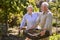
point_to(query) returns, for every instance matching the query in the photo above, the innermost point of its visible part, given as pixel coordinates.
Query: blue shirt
(29, 19)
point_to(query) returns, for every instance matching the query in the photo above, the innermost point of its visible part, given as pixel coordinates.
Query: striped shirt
(45, 20)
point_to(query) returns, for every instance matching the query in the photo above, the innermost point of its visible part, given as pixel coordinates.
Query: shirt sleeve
(37, 20)
(23, 22)
(48, 21)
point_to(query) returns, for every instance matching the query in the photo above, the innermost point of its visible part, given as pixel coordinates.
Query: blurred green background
(12, 11)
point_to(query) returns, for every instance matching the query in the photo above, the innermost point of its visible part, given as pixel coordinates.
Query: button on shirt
(30, 20)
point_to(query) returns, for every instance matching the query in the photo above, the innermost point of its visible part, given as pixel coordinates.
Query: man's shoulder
(34, 12)
(37, 13)
(50, 13)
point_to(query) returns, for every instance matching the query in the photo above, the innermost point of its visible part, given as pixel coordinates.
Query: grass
(55, 37)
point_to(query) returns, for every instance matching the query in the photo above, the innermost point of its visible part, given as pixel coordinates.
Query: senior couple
(33, 19)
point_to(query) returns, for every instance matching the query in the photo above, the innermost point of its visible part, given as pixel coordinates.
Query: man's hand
(33, 27)
(42, 32)
(20, 31)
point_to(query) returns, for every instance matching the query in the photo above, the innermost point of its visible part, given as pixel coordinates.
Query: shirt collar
(45, 13)
(29, 14)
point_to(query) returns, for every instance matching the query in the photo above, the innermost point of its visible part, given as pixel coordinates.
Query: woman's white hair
(29, 6)
(45, 4)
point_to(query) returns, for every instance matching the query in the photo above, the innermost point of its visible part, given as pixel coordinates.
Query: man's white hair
(29, 6)
(45, 4)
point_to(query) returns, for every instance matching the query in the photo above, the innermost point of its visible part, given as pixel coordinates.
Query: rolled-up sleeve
(48, 22)
(23, 22)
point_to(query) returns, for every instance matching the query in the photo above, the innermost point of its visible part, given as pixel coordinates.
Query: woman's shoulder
(25, 15)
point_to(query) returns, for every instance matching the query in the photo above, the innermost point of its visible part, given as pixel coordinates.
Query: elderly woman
(29, 18)
(45, 20)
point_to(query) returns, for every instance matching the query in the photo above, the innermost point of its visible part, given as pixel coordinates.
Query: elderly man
(45, 20)
(29, 19)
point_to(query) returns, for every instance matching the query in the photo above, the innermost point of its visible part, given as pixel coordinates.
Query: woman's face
(30, 10)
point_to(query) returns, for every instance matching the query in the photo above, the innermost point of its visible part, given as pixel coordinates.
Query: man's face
(30, 10)
(43, 8)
